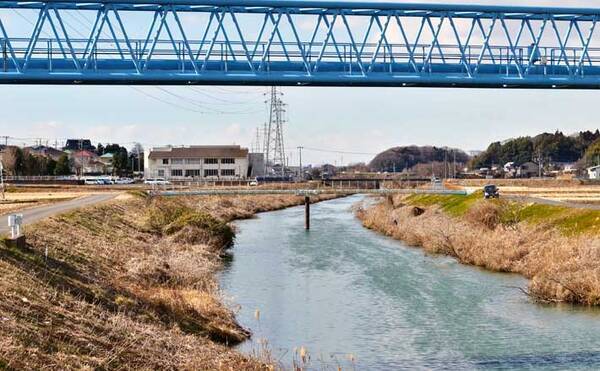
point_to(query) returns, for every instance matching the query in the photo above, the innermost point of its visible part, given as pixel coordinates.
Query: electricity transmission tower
(256, 143)
(273, 145)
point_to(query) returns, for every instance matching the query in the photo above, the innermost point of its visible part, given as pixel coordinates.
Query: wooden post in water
(307, 212)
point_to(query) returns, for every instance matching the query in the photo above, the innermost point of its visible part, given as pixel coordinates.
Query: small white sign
(14, 222)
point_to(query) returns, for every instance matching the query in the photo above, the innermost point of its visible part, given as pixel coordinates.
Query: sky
(364, 120)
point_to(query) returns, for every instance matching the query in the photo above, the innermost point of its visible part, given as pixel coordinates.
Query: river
(357, 299)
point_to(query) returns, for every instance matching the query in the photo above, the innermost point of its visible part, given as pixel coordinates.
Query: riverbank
(557, 248)
(126, 284)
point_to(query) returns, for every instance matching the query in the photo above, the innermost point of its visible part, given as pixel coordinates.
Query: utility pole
(300, 148)
(2, 179)
(445, 163)
(454, 164)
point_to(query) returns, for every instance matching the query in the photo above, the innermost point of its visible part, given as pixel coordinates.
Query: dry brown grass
(561, 268)
(125, 285)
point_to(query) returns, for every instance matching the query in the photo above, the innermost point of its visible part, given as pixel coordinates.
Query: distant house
(45, 151)
(594, 172)
(510, 170)
(86, 162)
(107, 160)
(528, 170)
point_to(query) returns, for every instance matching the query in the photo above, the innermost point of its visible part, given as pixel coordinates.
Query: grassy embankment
(126, 284)
(557, 248)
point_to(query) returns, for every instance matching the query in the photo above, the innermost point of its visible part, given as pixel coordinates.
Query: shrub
(485, 213)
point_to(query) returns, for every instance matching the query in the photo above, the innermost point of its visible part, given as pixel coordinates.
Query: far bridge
(306, 193)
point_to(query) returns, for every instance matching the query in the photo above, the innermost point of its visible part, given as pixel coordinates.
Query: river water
(357, 299)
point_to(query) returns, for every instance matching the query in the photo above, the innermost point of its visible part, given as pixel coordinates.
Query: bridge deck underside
(173, 72)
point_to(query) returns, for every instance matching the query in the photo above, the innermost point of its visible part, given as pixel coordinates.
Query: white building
(197, 162)
(594, 172)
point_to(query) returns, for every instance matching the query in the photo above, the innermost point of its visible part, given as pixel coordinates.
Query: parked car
(156, 181)
(253, 183)
(92, 181)
(124, 181)
(491, 191)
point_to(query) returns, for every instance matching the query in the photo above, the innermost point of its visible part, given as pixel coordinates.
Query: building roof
(84, 153)
(593, 168)
(45, 151)
(198, 152)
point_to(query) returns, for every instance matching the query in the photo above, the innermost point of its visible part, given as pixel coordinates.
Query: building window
(211, 172)
(161, 173)
(193, 161)
(177, 161)
(228, 160)
(211, 160)
(227, 172)
(165, 161)
(176, 172)
(192, 173)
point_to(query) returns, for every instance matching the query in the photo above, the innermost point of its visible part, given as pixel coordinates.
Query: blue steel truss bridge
(321, 43)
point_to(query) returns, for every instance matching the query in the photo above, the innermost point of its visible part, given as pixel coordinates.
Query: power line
(204, 105)
(223, 101)
(339, 152)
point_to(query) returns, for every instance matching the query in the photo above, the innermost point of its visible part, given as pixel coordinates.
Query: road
(544, 201)
(37, 213)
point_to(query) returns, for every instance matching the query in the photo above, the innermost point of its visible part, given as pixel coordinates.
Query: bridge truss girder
(262, 42)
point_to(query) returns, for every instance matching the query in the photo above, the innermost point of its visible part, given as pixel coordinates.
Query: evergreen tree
(63, 166)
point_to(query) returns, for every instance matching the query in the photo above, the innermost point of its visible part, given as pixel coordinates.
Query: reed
(560, 253)
(126, 285)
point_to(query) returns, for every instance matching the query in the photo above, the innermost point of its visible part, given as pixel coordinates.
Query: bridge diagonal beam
(410, 51)
(385, 39)
(258, 38)
(186, 43)
(102, 14)
(487, 37)
(146, 41)
(67, 40)
(7, 47)
(127, 41)
(583, 43)
(113, 33)
(161, 23)
(59, 40)
(37, 29)
(267, 49)
(332, 35)
(91, 38)
(281, 39)
(434, 43)
(353, 45)
(536, 45)
(367, 34)
(437, 32)
(326, 42)
(563, 52)
(586, 48)
(511, 47)
(379, 43)
(463, 57)
(298, 43)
